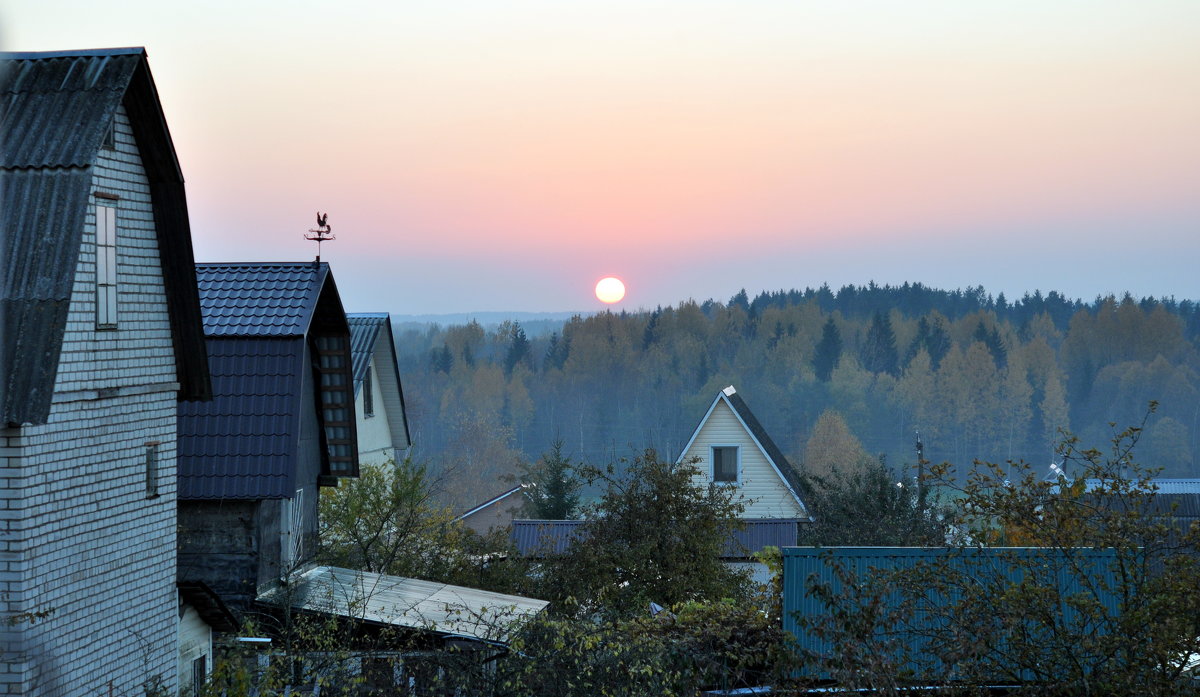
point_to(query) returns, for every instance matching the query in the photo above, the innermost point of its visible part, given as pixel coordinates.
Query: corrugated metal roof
(364, 330)
(408, 602)
(56, 108)
(1163, 486)
(242, 444)
(54, 111)
(259, 299)
(550, 537)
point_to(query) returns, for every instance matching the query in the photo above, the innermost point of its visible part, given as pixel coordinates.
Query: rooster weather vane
(322, 233)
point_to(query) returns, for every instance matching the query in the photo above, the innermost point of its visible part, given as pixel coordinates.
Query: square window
(725, 463)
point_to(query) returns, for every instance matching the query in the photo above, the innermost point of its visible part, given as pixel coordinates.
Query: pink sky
(504, 156)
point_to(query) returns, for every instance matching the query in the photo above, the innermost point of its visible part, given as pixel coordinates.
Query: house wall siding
(81, 540)
(195, 640)
(375, 445)
(765, 493)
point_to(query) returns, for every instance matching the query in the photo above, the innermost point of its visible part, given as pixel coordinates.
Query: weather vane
(322, 233)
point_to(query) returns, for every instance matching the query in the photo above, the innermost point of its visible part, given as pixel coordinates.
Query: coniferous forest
(980, 377)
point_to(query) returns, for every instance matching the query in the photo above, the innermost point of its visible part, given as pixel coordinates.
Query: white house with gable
(731, 448)
(378, 395)
(100, 338)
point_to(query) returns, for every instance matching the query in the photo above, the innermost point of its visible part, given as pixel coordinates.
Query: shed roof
(549, 537)
(408, 602)
(55, 109)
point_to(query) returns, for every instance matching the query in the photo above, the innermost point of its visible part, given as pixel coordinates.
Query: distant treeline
(979, 376)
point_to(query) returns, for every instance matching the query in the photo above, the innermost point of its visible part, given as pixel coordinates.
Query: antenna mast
(322, 233)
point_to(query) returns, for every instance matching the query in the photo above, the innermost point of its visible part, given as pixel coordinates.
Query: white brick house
(101, 337)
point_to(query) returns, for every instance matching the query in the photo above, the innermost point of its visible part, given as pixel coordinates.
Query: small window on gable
(152, 469)
(110, 136)
(106, 266)
(368, 395)
(725, 463)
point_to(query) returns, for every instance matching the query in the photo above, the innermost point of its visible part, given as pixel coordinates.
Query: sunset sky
(499, 155)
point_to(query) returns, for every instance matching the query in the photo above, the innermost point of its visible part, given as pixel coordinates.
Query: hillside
(979, 377)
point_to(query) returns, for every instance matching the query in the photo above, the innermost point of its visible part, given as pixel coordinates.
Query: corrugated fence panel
(1087, 572)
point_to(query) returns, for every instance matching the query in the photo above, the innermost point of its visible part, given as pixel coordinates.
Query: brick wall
(82, 541)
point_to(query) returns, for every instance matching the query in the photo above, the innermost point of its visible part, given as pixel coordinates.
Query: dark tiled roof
(242, 444)
(259, 299)
(549, 537)
(364, 330)
(55, 109)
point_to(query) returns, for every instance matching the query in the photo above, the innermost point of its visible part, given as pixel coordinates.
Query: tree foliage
(656, 536)
(1100, 604)
(551, 486)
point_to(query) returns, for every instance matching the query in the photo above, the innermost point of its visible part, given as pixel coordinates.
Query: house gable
(383, 434)
(764, 477)
(57, 109)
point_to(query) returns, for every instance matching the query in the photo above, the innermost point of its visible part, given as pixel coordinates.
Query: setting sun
(610, 290)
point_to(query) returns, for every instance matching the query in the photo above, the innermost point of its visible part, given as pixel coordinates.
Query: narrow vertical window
(199, 675)
(152, 469)
(106, 266)
(368, 395)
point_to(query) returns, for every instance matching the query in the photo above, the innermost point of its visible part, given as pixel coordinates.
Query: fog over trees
(979, 376)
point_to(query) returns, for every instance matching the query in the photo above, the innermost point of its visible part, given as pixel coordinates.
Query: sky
(504, 156)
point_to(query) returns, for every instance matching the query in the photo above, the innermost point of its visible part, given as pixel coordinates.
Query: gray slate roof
(54, 111)
(550, 537)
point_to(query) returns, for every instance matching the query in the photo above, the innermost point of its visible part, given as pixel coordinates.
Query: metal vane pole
(322, 233)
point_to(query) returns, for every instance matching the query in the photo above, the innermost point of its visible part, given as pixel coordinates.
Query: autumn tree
(832, 447)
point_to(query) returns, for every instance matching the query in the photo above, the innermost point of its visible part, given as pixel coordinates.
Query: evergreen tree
(518, 349)
(829, 351)
(878, 353)
(552, 491)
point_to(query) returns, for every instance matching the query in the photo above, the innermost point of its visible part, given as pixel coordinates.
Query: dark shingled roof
(242, 444)
(245, 443)
(550, 537)
(257, 299)
(54, 111)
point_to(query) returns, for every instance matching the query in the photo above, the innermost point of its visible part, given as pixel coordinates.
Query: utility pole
(920, 472)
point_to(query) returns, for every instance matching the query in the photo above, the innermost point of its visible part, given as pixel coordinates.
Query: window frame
(737, 463)
(106, 264)
(153, 461)
(368, 394)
